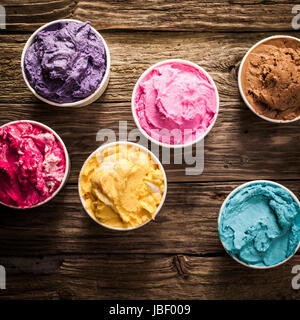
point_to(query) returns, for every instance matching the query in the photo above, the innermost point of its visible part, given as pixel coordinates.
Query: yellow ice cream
(122, 186)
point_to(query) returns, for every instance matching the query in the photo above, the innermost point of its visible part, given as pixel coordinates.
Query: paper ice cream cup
(136, 119)
(224, 205)
(81, 103)
(67, 158)
(153, 157)
(240, 80)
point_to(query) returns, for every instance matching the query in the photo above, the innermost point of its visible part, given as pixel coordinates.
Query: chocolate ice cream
(270, 78)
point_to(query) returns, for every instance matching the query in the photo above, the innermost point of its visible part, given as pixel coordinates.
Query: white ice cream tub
(136, 119)
(222, 209)
(67, 158)
(81, 103)
(154, 158)
(240, 80)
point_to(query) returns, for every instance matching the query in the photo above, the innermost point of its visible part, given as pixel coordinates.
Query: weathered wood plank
(76, 258)
(132, 53)
(193, 15)
(22, 16)
(241, 146)
(187, 224)
(163, 15)
(233, 150)
(144, 277)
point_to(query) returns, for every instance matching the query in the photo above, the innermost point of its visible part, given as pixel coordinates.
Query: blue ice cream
(260, 224)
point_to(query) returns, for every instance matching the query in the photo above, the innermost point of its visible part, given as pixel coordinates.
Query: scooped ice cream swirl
(270, 78)
(175, 103)
(122, 186)
(32, 164)
(260, 224)
(66, 62)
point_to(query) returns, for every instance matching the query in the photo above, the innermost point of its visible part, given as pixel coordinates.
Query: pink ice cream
(175, 103)
(32, 164)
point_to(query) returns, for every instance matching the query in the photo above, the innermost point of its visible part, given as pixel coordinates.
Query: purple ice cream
(66, 62)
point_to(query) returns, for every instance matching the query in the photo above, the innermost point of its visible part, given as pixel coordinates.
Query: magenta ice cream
(66, 62)
(175, 102)
(32, 164)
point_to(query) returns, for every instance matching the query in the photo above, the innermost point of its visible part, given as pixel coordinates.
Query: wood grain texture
(241, 15)
(133, 52)
(187, 224)
(27, 16)
(234, 150)
(144, 277)
(57, 251)
(241, 146)
(194, 15)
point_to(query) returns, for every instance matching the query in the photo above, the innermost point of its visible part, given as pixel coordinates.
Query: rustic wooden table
(58, 252)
